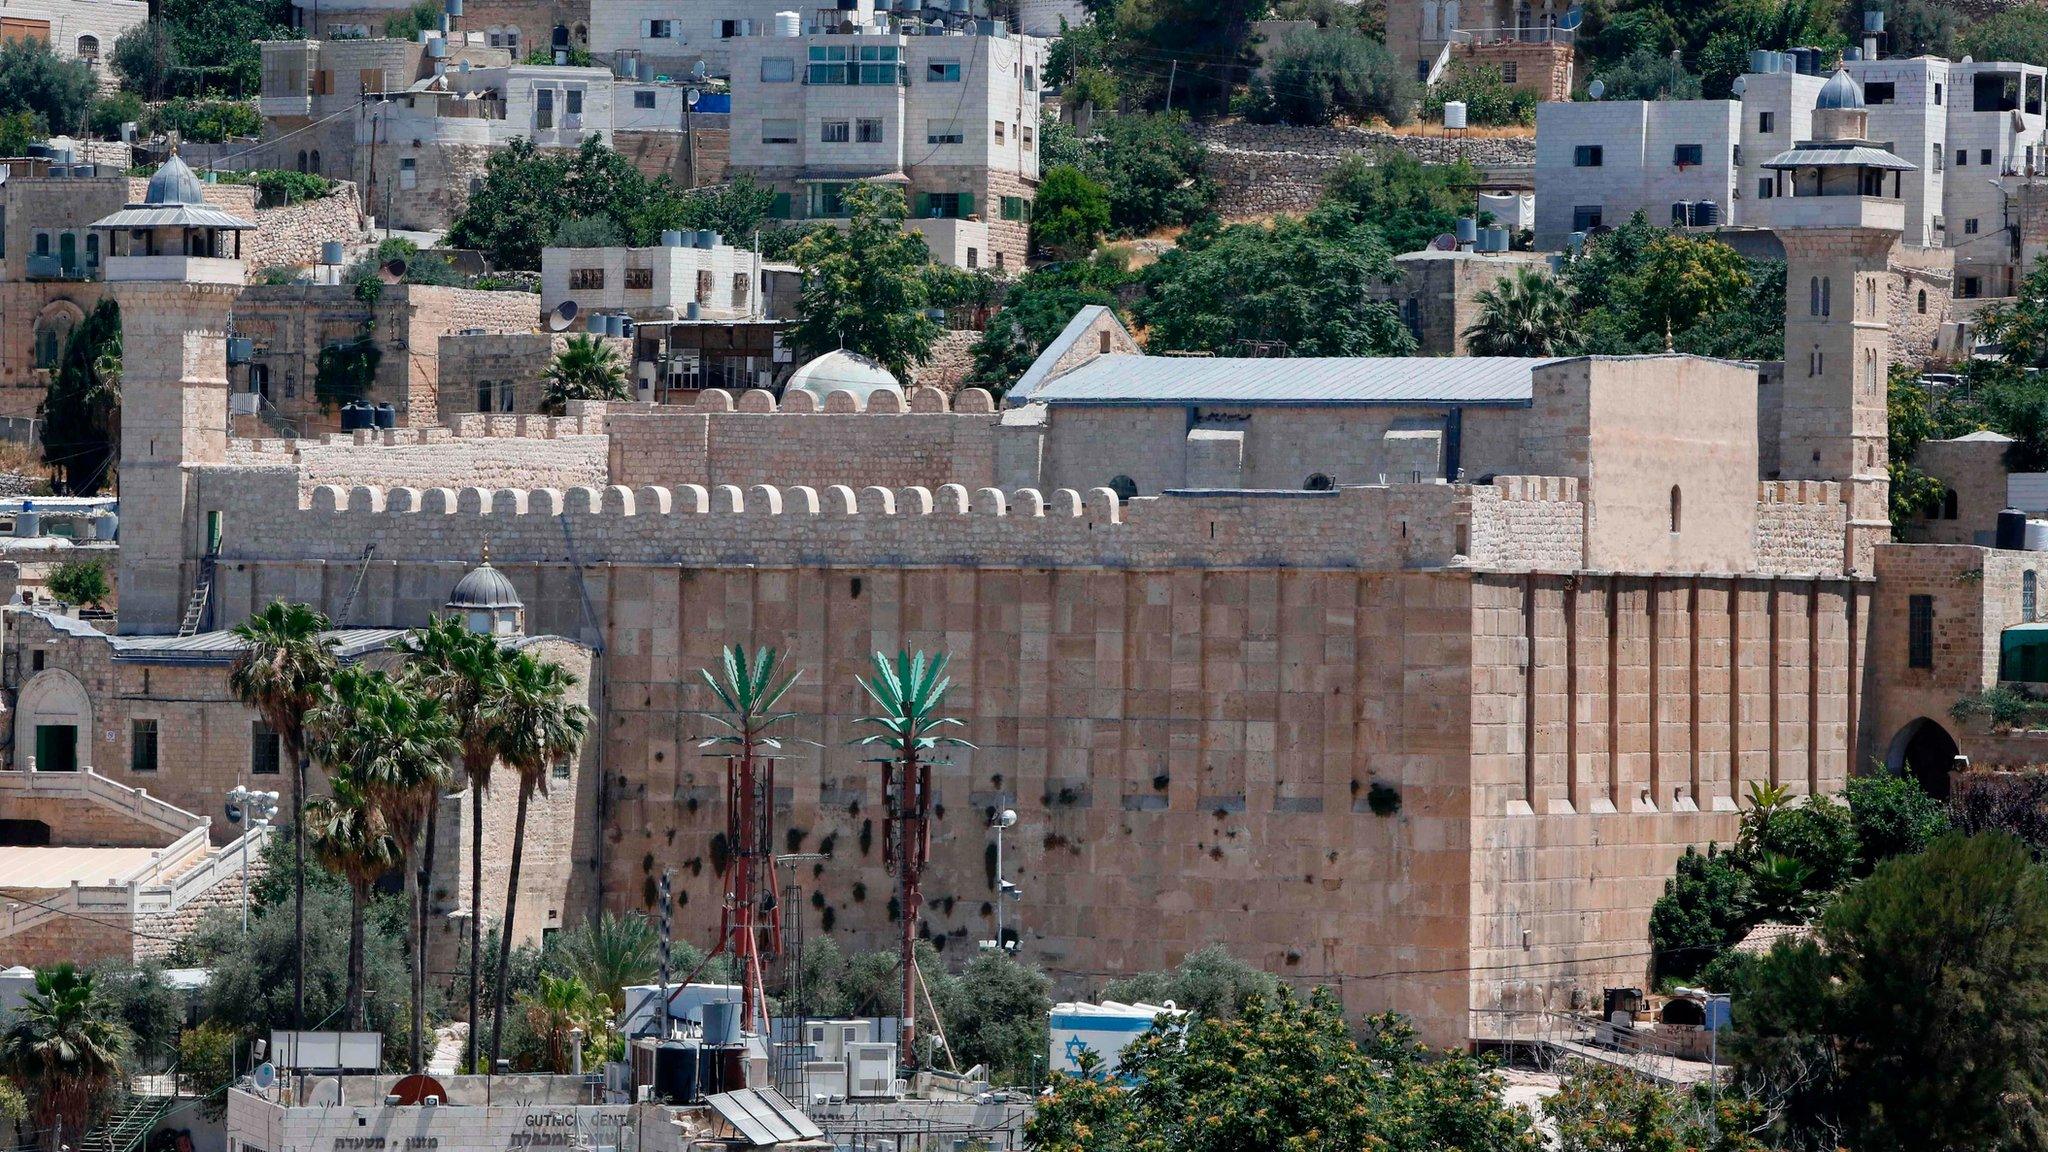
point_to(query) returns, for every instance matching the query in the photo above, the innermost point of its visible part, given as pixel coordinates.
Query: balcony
(52, 267)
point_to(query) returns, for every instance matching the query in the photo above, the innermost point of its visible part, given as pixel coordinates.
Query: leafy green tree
(1921, 1019)
(66, 1045)
(1210, 983)
(1411, 203)
(1070, 214)
(282, 671)
(1526, 314)
(585, 369)
(1315, 74)
(35, 78)
(1490, 101)
(1035, 310)
(145, 57)
(1893, 816)
(2019, 34)
(81, 411)
(80, 582)
(1152, 166)
(1602, 1108)
(864, 288)
(1289, 284)
(1706, 908)
(529, 702)
(1288, 1075)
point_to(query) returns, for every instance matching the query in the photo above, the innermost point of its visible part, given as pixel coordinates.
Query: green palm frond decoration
(909, 691)
(748, 693)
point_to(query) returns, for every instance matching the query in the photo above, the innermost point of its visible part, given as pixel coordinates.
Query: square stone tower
(174, 265)
(1835, 202)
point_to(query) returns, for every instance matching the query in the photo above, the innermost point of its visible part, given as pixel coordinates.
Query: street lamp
(1007, 818)
(258, 807)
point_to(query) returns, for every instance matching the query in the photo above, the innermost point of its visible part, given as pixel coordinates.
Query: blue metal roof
(1412, 380)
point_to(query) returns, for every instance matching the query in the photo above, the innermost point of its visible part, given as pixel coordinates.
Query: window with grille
(1920, 632)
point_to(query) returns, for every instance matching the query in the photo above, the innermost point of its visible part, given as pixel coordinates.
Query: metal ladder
(349, 602)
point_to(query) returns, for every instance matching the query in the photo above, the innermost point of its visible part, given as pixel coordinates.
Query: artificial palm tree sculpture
(1527, 314)
(66, 1045)
(280, 673)
(540, 726)
(909, 691)
(749, 691)
(458, 666)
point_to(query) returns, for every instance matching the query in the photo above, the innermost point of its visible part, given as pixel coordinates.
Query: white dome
(844, 371)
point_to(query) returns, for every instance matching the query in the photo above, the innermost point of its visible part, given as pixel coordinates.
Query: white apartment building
(673, 38)
(74, 29)
(950, 117)
(1598, 163)
(1973, 131)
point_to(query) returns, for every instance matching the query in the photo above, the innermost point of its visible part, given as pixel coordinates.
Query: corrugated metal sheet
(1831, 156)
(1301, 380)
(762, 1117)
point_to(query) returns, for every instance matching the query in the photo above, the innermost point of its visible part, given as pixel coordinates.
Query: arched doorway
(1924, 750)
(53, 724)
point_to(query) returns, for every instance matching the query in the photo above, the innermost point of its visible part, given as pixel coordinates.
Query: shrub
(1490, 102)
(1316, 74)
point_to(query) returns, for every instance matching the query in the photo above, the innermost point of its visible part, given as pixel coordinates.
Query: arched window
(1318, 482)
(1813, 296)
(88, 48)
(1676, 502)
(1921, 303)
(1948, 504)
(2028, 598)
(1123, 486)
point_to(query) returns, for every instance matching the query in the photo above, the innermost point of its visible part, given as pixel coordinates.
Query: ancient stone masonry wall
(936, 442)
(480, 451)
(1260, 169)
(1799, 527)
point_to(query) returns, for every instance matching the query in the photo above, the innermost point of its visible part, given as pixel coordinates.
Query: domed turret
(487, 602)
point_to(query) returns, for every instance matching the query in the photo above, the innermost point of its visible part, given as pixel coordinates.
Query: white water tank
(788, 24)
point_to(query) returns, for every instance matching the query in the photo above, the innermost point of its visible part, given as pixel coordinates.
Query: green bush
(1490, 102)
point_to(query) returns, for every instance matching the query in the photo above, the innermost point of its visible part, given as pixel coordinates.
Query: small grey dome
(484, 588)
(175, 183)
(1841, 91)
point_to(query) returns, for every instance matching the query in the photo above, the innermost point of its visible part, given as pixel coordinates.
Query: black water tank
(2012, 530)
(386, 416)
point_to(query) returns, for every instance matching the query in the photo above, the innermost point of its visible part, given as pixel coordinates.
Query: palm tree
(556, 1009)
(608, 952)
(909, 692)
(400, 743)
(279, 673)
(1527, 314)
(585, 369)
(541, 727)
(349, 836)
(458, 666)
(66, 1044)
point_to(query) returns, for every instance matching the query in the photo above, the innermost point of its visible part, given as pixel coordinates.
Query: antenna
(563, 316)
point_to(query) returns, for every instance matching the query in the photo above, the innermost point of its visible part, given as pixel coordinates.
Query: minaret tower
(1835, 204)
(174, 264)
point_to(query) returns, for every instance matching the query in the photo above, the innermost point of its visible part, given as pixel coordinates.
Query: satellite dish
(563, 316)
(694, 96)
(325, 1093)
(1572, 18)
(265, 1076)
(1444, 243)
(1597, 89)
(392, 272)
